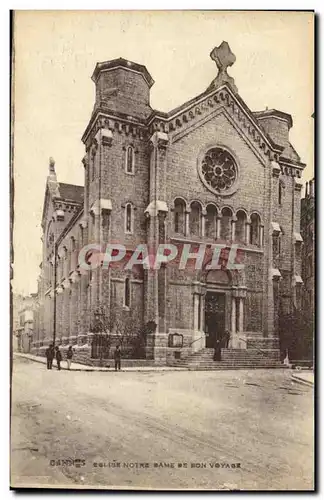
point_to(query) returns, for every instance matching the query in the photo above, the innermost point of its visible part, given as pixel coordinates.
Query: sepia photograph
(162, 250)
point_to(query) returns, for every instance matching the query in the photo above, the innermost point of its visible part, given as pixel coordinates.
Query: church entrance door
(214, 317)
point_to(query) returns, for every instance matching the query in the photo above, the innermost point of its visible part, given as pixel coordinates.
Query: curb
(43, 362)
(302, 381)
(103, 369)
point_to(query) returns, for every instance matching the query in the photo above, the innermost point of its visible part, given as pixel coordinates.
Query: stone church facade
(209, 172)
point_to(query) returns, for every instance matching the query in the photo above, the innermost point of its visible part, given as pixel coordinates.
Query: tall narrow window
(280, 193)
(73, 262)
(58, 269)
(225, 229)
(275, 245)
(92, 229)
(195, 219)
(127, 293)
(128, 218)
(81, 236)
(240, 226)
(179, 216)
(210, 221)
(92, 165)
(130, 160)
(255, 230)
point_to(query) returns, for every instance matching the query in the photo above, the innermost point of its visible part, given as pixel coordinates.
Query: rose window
(218, 170)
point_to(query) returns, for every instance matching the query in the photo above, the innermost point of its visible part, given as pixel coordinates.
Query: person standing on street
(117, 356)
(58, 356)
(217, 350)
(227, 337)
(49, 353)
(69, 356)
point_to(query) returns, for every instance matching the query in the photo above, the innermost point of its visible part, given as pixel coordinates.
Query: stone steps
(230, 359)
(227, 366)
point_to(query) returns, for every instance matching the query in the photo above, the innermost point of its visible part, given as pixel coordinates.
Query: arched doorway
(218, 286)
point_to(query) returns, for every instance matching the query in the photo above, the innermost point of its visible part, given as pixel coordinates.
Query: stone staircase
(231, 359)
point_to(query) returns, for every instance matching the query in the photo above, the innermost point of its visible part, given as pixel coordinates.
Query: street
(244, 429)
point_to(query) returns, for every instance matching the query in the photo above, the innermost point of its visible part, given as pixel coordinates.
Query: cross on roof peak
(223, 57)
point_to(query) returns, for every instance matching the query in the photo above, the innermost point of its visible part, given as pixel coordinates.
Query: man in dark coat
(217, 350)
(227, 337)
(117, 356)
(58, 356)
(49, 353)
(69, 356)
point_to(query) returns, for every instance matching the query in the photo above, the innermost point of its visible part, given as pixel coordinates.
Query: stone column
(65, 312)
(74, 308)
(203, 221)
(247, 232)
(187, 228)
(241, 314)
(233, 225)
(83, 312)
(233, 316)
(195, 307)
(155, 212)
(95, 210)
(59, 299)
(198, 337)
(218, 227)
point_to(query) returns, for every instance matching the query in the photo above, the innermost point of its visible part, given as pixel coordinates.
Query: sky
(53, 95)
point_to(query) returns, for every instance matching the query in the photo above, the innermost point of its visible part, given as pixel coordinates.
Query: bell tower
(124, 87)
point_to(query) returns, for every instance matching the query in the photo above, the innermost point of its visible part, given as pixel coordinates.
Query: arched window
(130, 160)
(195, 218)
(210, 221)
(240, 226)
(128, 218)
(280, 193)
(74, 258)
(255, 230)
(58, 269)
(179, 216)
(225, 229)
(127, 293)
(81, 235)
(93, 164)
(92, 225)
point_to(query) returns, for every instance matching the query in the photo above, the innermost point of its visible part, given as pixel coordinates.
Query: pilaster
(155, 279)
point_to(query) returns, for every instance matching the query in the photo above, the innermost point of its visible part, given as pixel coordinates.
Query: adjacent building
(210, 171)
(24, 322)
(308, 268)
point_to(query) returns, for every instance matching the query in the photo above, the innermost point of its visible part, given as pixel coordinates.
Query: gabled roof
(67, 192)
(71, 192)
(207, 94)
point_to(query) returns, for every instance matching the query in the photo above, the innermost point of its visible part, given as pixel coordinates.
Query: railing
(262, 351)
(196, 340)
(256, 348)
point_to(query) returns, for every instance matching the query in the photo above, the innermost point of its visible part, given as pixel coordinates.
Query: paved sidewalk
(78, 367)
(303, 377)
